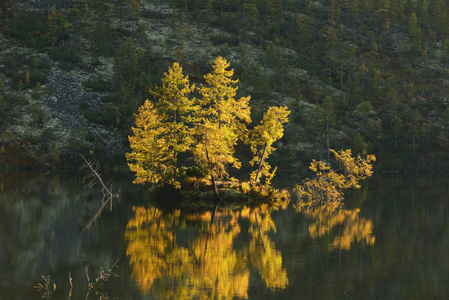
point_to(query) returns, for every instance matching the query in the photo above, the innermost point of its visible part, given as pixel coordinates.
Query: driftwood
(93, 178)
(47, 288)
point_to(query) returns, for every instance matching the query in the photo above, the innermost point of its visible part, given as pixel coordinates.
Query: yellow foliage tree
(221, 123)
(163, 130)
(150, 157)
(210, 127)
(262, 138)
(176, 107)
(325, 189)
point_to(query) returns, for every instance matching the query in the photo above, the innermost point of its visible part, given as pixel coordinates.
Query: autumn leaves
(203, 125)
(203, 122)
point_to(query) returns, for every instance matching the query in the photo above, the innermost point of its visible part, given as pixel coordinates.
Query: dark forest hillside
(370, 75)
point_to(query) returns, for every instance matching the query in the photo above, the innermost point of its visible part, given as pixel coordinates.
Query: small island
(184, 144)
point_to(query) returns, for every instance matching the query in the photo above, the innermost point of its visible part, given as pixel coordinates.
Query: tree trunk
(213, 178)
(327, 141)
(175, 166)
(215, 187)
(175, 158)
(260, 163)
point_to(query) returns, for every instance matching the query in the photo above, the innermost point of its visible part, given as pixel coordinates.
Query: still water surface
(390, 241)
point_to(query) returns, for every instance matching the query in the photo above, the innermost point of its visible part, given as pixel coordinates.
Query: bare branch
(47, 288)
(94, 166)
(97, 215)
(92, 178)
(71, 285)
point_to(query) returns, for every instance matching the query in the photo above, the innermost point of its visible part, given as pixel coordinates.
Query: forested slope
(367, 75)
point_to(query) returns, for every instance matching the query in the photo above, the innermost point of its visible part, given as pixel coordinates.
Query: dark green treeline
(367, 75)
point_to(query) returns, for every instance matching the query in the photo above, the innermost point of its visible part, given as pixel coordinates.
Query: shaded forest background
(370, 75)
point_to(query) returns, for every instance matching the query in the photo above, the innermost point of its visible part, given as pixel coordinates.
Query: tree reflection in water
(327, 218)
(183, 256)
(170, 258)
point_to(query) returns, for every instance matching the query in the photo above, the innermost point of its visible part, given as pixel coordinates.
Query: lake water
(389, 241)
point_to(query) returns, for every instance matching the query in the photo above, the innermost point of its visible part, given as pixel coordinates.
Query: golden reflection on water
(354, 227)
(170, 259)
(196, 255)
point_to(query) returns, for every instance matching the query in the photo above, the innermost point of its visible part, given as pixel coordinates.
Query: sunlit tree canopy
(263, 136)
(203, 125)
(327, 185)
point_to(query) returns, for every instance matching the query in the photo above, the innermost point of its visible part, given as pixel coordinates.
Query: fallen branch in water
(71, 285)
(97, 214)
(47, 288)
(97, 285)
(93, 178)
